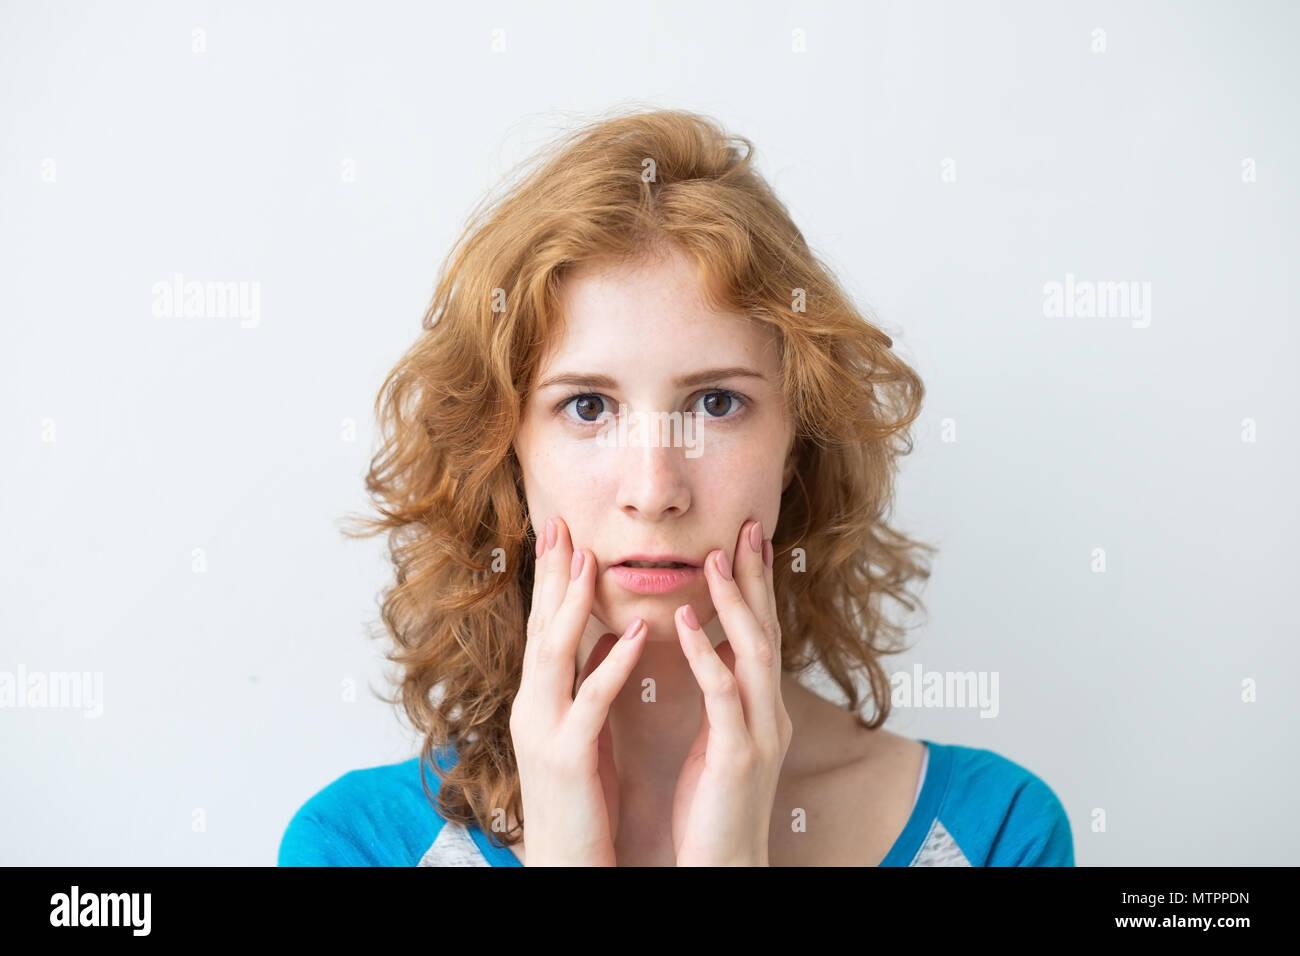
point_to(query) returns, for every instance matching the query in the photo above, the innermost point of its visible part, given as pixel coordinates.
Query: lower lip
(653, 580)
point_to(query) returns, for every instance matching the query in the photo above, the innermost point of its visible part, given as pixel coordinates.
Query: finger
(756, 671)
(554, 570)
(551, 580)
(604, 644)
(540, 609)
(591, 703)
(557, 650)
(751, 577)
(769, 575)
(769, 555)
(722, 700)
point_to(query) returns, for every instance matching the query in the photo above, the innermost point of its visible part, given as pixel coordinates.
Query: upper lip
(657, 557)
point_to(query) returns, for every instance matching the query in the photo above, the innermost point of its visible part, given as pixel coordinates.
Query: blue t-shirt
(975, 808)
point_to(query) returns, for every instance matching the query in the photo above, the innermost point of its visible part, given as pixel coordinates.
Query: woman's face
(633, 335)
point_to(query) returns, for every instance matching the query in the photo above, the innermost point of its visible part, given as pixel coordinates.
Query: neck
(656, 716)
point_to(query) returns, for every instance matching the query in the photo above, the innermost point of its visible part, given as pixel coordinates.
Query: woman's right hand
(560, 729)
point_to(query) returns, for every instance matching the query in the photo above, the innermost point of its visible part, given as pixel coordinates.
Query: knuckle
(726, 685)
(785, 726)
(743, 760)
(545, 650)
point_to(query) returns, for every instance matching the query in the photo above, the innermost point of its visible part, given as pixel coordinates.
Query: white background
(223, 690)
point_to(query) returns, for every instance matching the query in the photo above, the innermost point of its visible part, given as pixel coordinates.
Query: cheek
(738, 485)
(556, 481)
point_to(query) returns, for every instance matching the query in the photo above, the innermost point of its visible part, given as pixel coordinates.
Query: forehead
(651, 316)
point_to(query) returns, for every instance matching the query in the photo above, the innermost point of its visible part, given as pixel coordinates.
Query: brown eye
(719, 399)
(722, 401)
(590, 407)
(586, 403)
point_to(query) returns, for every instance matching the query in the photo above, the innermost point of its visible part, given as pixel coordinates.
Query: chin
(659, 615)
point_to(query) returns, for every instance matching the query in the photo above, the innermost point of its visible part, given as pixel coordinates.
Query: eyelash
(736, 397)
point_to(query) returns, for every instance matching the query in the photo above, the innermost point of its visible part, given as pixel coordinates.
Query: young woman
(633, 359)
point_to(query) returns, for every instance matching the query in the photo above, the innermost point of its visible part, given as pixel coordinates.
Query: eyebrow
(702, 377)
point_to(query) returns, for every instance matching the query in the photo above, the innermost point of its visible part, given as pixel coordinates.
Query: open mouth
(654, 577)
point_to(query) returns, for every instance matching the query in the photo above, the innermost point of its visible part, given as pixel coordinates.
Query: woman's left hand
(722, 807)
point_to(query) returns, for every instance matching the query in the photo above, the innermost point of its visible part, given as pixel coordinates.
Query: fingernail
(724, 566)
(575, 566)
(688, 615)
(768, 552)
(550, 532)
(756, 536)
(537, 550)
(633, 629)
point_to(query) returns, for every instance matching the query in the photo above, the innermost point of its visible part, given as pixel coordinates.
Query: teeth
(653, 564)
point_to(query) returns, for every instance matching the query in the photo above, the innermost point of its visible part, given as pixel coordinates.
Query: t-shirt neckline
(904, 850)
(938, 769)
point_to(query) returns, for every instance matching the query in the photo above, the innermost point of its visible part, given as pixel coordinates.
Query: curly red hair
(449, 488)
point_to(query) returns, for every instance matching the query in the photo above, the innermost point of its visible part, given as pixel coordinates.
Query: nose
(653, 480)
